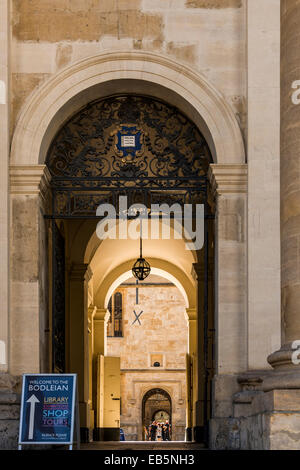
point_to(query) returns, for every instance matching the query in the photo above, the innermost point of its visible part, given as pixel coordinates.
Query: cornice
(228, 179)
(29, 179)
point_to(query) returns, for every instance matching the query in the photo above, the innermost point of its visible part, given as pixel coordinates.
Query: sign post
(49, 410)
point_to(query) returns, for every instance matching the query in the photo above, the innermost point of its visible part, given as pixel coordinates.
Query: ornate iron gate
(126, 145)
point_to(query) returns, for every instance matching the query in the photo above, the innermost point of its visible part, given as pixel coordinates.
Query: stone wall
(260, 420)
(163, 333)
(48, 35)
(10, 388)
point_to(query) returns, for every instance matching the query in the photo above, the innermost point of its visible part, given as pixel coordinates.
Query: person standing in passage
(167, 431)
(163, 431)
(149, 432)
(153, 430)
(159, 432)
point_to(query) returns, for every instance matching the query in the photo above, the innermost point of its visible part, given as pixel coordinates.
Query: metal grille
(126, 145)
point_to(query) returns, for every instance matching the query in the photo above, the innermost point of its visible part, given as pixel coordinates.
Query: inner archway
(148, 329)
(156, 406)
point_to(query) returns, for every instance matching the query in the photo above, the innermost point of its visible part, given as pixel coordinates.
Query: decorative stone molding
(80, 272)
(228, 179)
(101, 314)
(29, 179)
(267, 380)
(190, 314)
(198, 270)
(88, 274)
(250, 382)
(282, 359)
(37, 124)
(91, 312)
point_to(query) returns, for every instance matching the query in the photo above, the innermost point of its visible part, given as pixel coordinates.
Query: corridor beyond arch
(159, 272)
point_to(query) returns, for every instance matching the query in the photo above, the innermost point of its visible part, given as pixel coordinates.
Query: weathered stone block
(9, 431)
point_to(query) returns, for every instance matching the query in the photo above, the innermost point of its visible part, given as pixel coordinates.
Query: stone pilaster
(229, 188)
(79, 276)
(192, 386)
(28, 291)
(28, 269)
(100, 319)
(191, 319)
(263, 156)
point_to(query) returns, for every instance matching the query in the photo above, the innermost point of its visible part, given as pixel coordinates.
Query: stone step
(142, 445)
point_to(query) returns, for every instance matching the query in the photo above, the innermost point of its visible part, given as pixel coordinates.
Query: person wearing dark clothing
(153, 429)
(167, 432)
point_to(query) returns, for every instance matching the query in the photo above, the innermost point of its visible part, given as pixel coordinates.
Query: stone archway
(54, 103)
(72, 88)
(154, 401)
(86, 166)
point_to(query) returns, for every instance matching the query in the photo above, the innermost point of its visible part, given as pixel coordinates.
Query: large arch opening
(148, 152)
(148, 330)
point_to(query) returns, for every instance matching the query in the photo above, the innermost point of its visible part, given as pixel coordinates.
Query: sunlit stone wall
(161, 337)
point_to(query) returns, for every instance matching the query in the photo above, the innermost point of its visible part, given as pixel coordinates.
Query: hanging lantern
(141, 268)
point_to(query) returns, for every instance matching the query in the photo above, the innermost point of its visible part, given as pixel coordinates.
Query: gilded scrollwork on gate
(126, 142)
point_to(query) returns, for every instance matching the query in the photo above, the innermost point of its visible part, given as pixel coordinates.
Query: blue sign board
(48, 409)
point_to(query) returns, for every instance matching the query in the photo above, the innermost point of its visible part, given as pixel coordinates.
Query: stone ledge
(277, 401)
(287, 378)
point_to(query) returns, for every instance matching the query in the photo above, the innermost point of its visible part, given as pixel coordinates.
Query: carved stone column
(290, 185)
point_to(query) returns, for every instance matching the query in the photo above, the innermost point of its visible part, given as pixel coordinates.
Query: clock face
(161, 416)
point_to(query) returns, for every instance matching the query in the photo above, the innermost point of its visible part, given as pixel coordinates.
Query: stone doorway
(156, 406)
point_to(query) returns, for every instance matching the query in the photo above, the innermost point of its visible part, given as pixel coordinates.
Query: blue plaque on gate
(129, 141)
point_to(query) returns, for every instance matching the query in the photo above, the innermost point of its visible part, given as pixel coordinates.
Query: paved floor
(140, 445)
